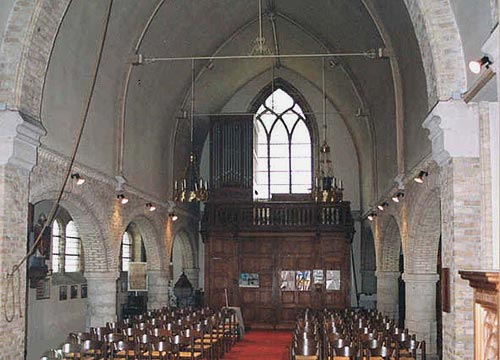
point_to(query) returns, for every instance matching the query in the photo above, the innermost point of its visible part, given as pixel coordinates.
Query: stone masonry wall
(13, 238)
(461, 237)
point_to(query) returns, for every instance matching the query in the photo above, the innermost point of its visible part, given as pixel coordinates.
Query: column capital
(420, 278)
(19, 139)
(453, 130)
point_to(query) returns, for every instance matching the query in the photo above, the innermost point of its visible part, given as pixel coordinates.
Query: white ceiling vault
(147, 99)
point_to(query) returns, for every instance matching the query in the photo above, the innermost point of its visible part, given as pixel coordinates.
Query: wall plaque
(137, 276)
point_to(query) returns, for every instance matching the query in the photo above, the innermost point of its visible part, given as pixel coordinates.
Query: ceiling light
(78, 179)
(173, 216)
(382, 205)
(420, 178)
(475, 66)
(122, 199)
(398, 196)
(372, 216)
(151, 207)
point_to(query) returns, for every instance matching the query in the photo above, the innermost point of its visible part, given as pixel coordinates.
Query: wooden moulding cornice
(481, 280)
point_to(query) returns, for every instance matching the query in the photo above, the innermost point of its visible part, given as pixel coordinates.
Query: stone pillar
(454, 132)
(157, 289)
(388, 293)
(101, 305)
(421, 308)
(19, 139)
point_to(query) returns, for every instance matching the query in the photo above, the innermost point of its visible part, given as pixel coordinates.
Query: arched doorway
(132, 250)
(388, 270)
(56, 288)
(183, 259)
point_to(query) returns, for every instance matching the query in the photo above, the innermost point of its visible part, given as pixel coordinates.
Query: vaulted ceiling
(148, 99)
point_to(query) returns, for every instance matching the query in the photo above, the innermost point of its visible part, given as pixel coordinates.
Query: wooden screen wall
(268, 254)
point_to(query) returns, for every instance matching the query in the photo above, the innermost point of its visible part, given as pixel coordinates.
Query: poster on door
(332, 280)
(287, 280)
(303, 280)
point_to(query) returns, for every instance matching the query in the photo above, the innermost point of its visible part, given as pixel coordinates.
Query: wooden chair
(122, 350)
(91, 349)
(70, 350)
(51, 355)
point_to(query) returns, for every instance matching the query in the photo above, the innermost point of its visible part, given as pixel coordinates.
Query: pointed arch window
(282, 148)
(56, 243)
(72, 248)
(126, 250)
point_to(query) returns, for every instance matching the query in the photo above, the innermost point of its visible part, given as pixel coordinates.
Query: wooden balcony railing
(277, 216)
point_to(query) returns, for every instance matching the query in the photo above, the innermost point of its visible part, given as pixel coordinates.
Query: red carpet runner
(261, 345)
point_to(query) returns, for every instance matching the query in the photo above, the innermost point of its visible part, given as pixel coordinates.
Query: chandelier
(258, 46)
(327, 188)
(192, 188)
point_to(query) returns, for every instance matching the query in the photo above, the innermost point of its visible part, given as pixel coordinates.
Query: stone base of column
(421, 308)
(101, 288)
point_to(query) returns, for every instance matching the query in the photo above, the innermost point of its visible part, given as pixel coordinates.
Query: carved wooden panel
(486, 327)
(267, 254)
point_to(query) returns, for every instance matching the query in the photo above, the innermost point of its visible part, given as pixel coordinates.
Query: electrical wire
(16, 268)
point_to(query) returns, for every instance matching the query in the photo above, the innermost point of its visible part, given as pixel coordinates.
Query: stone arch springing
(390, 246)
(150, 236)
(89, 228)
(424, 232)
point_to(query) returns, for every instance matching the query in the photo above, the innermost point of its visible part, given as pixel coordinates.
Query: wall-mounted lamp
(475, 66)
(151, 207)
(371, 216)
(420, 178)
(79, 180)
(173, 216)
(122, 199)
(398, 197)
(382, 206)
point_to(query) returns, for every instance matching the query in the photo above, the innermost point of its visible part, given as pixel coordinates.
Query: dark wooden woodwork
(486, 305)
(266, 238)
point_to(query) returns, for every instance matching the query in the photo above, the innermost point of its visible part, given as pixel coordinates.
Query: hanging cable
(55, 206)
(324, 99)
(192, 104)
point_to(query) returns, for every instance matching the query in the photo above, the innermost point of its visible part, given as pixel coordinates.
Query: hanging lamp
(327, 188)
(191, 188)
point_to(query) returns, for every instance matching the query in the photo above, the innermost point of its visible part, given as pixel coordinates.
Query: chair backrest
(51, 355)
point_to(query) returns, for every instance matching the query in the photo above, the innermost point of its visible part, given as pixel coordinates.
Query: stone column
(421, 308)
(157, 289)
(101, 306)
(454, 132)
(19, 140)
(388, 293)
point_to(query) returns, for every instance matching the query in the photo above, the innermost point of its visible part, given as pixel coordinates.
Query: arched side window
(282, 148)
(132, 248)
(126, 250)
(56, 243)
(72, 248)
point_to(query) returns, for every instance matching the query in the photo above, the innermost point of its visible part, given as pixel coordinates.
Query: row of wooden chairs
(163, 334)
(329, 335)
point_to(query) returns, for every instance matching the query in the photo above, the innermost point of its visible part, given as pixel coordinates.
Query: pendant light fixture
(259, 46)
(327, 188)
(192, 188)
